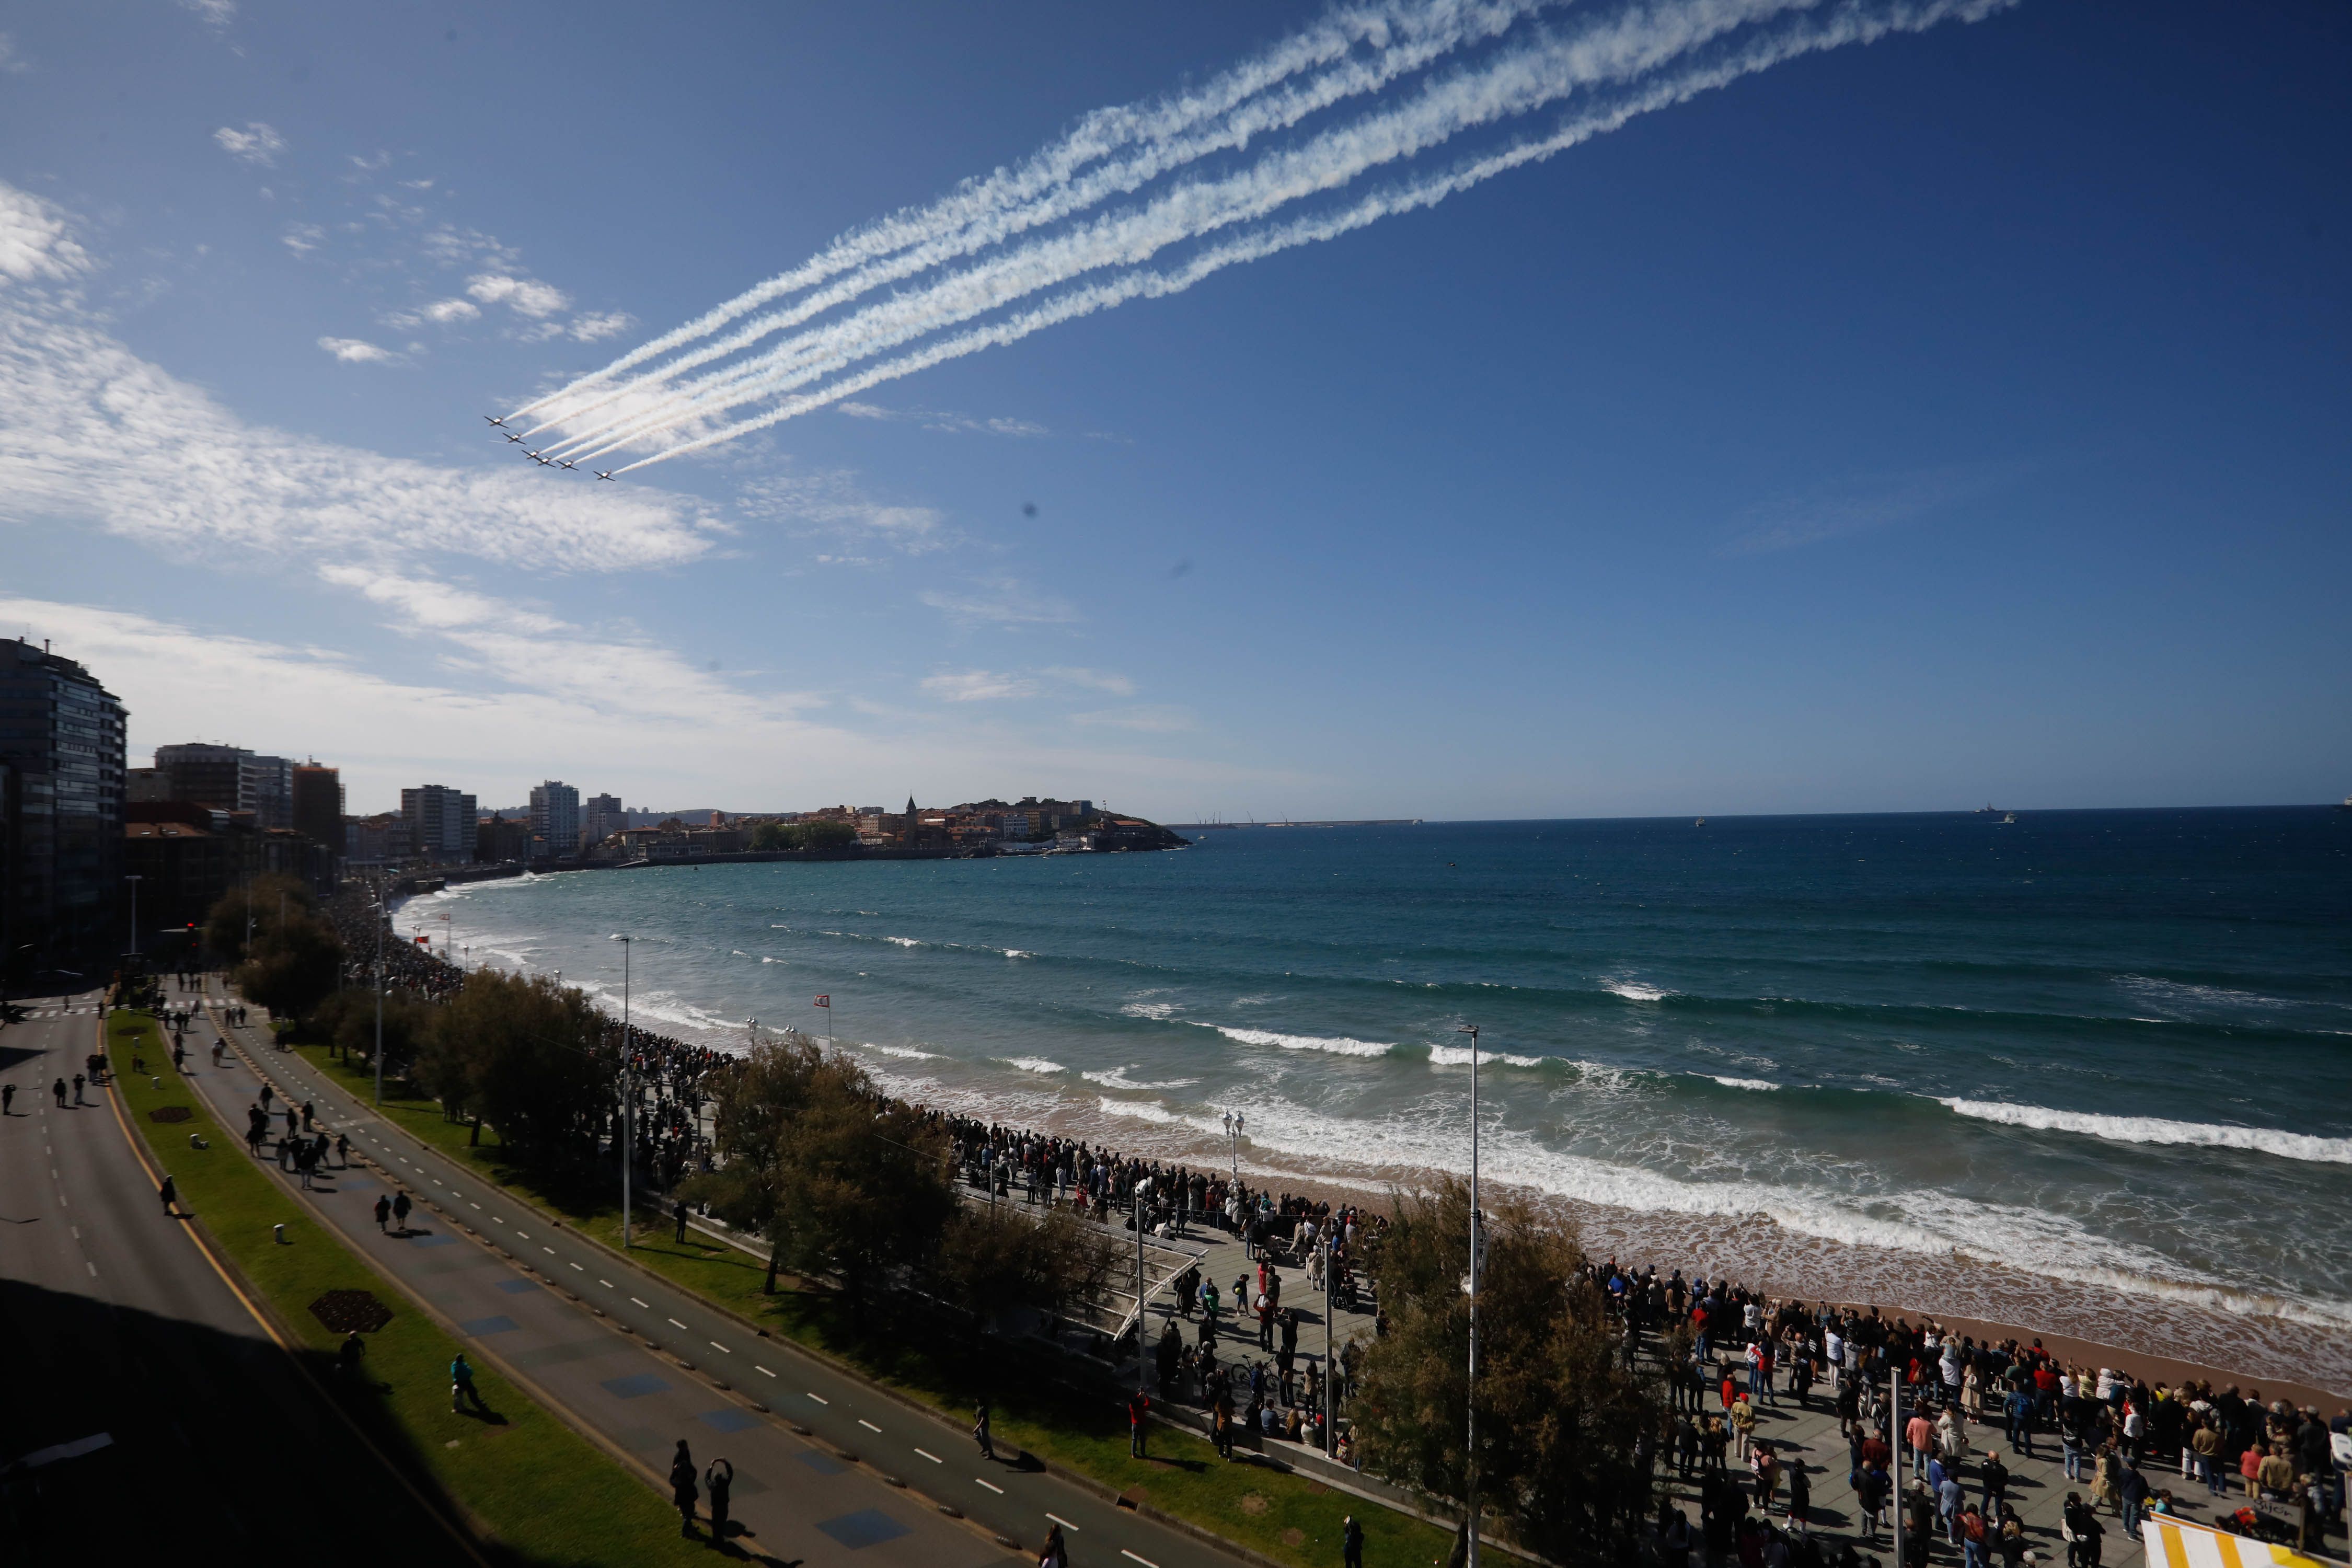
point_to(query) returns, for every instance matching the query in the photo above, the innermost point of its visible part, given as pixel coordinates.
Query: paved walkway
(812, 1474)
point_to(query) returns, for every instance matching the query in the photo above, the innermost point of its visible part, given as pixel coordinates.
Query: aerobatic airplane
(604, 474)
(563, 462)
(495, 420)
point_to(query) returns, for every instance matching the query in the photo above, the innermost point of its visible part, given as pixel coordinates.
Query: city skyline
(1908, 425)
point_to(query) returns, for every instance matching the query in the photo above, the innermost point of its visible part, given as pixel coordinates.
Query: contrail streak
(1851, 22)
(1622, 47)
(1429, 38)
(1428, 31)
(1617, 49)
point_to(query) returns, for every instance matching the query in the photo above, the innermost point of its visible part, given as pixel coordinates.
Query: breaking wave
(2156, 1130)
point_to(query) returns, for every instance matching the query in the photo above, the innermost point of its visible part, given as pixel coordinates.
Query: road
(113, 1320)
(795, 1492)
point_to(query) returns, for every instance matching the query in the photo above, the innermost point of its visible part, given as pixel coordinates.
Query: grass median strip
(542, 1490)
(1288, 1518)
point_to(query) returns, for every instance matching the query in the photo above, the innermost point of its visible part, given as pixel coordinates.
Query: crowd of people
(1948, 1400)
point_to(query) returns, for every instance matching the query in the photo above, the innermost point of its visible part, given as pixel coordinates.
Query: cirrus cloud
(257, 144)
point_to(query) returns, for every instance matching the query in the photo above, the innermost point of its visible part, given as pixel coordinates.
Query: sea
(2084, 1072)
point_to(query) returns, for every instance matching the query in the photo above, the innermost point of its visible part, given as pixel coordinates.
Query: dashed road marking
(1064, 1523)
(992, 1486)
(931, 1456)
(1147, 1561)
(607, 1283)
(648, 1305)
(758, 1368)
(93, 1269)
(820, 1398)
(549, 1250)
(675, 1324)
(868, 1424)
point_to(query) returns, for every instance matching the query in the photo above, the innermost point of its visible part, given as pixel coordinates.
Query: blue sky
(1955, 415)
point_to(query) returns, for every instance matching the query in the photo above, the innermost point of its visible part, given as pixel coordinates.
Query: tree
(538, 1061)
(295, 959)
(1000, 1256)
(838, 1180)
(1565, 1432)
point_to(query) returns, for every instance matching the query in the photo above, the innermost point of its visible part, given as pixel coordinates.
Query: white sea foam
(1033, 1064)
(1017, 952)
(1754, 1083)
(2156, 1130)
(1459, 1057)
(1152, 1111)
(1149, 1009)
(1340, 1046)
(908, 1052)
(1633, 990)
(903, 942)
(1116, 1078)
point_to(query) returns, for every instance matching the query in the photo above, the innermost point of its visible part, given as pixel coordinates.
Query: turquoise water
(2090, 1071)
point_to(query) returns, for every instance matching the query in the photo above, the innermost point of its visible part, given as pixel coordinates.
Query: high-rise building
(555, 818)
(266, 788)
(601, 818)
(204, 773)
(318, 797)
(60, 808)
(440, 824)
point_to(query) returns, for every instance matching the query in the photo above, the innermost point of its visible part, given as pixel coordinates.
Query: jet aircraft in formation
(539, 457)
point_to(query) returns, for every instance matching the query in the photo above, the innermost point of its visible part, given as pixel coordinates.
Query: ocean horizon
(2087, 1071)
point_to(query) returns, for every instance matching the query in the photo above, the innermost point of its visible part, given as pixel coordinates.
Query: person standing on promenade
(169, 1193)
(682, 1490)
(719, 1479)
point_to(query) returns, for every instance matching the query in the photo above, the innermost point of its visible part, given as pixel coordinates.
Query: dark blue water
(2027, 1064)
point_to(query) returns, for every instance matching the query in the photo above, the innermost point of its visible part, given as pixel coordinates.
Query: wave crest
(2157, 1130)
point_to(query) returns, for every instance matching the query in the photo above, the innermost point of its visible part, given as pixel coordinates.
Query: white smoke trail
(1430, 36)
(1852, 23)
(1151, 125)
(1621, 49)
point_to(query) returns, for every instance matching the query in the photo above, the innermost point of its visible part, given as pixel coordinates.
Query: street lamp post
(1470, 1285)
(134, 914)
(628, 1089)
(1330, 1364)
(1142, 1191)
(1233, 1132)
(383, 919)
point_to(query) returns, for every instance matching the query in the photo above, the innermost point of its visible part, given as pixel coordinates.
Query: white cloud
(525, 296)
(942, 420)
(1099, 680)
(1860, 504)
(216, 13)
(90, 431)
(35, 241)
(357, 351)
(302, 238)
(590, 326)
(1005, 602)
(447, 310)
(978, 686)
(1153, 721)
(831, 502)
(11, 62)
(257, 144)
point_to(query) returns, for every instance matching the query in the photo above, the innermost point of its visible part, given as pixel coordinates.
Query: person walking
(169, 1193)
(461, 1386)
(400, 1208)
(348, 1355)
(57, 1091)
(382, 1212)
(1138, 1406)
(719, 1480)
(980, 1432)
(1351, 1544)
(306, 1112)
(681, 1209)
(78, 1099)
(682, 1490)
(8, 1100)
(1056, 1553)
(342, 1152)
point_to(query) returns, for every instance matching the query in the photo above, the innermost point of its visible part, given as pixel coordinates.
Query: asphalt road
(112, 1320)
(796, 1493)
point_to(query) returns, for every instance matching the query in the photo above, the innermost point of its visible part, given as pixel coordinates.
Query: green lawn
(1287, 1517)
(543, 1491)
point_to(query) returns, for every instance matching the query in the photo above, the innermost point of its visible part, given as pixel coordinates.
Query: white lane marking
(648, 1305)
(722, 1350)
(500, 1221)
(675, 1324)
(582, 1270)
(1064, 1523)
(992, 1486)
(549, 1250)
(94, 1270)
(1147, 1561)
(524, 1235)
(607, 1283)
(931, 1456)
(758, 1368)
(77, 1230)
(868, 1424)
(820, 1398)
(478, 1205)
